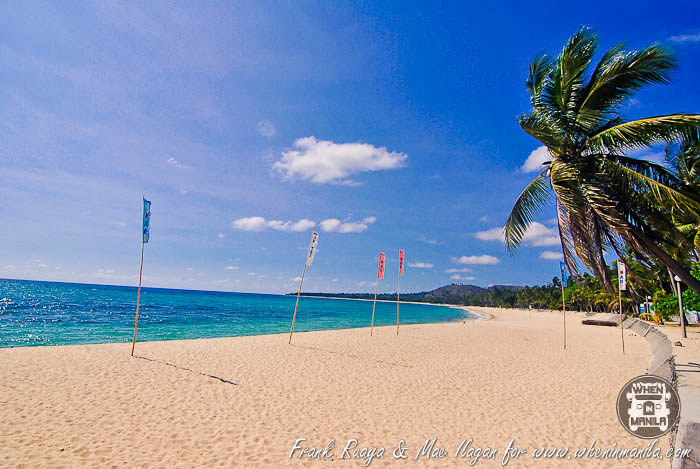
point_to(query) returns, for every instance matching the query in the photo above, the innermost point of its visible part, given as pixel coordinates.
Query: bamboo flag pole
(564, 280)
(622, 329)
(622, 285)
(309, 261)
(680, 306)
(380, 274)
(398, 289)
(398, 300)
(297, 304)
(146, 234)
(374, 305)
(563, 303)
(138, 301)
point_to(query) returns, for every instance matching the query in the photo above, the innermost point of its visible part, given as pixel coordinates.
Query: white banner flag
(622, 275)
(312, 248)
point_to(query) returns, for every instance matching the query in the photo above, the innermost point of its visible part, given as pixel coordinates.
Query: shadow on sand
(186, 369)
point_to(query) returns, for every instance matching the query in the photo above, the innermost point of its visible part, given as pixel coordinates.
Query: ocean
(36, 313)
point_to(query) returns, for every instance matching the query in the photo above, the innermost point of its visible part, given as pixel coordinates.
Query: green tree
(685, 160)
(691, 300)
(603, 198)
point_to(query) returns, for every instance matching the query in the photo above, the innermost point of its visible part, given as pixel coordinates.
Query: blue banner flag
(564, 276)
(146, 220)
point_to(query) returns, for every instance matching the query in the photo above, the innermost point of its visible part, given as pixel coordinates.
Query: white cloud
(250, 224)
(335, 225)
(492, 234)
(482, 259)
(295, 279)
(221, 236)
(301, 225)
(461, 277)
(176, 164)
(260, 224)
(323, 161)
(454, 271)
(231, 267)
(551, 255)
(329, 225)
(536, 159)
(420, 265)
(684, 38)
(267, 129)
(537, 235)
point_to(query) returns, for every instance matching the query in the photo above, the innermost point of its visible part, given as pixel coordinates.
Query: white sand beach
(244, 401)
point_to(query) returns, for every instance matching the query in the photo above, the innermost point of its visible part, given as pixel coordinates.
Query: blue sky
(249, 124)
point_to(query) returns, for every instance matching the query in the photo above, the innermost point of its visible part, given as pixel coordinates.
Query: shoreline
(482, 316)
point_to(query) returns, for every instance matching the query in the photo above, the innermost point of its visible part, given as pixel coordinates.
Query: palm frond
(542, 128)
(540, 68)
(562, 93)
(619, 74)
(566, 238)
(645, 132)
(647, 168)
(633, 183)
(526, 207)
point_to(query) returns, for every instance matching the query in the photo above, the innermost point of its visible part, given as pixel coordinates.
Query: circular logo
(648, 406)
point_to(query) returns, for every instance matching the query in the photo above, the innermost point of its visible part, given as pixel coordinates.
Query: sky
(381, 125)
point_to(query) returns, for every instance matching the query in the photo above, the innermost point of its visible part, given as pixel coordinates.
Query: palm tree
(604, 199)
(686, 163)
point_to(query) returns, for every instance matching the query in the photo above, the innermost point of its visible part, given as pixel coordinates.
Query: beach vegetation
(606, 200)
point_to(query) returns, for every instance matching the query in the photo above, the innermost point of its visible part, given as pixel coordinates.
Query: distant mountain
(451, 294)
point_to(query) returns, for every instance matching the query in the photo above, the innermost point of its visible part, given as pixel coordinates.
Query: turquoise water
(47, 313)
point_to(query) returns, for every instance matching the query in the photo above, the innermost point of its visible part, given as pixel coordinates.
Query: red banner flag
(400, 262)
(380, 273)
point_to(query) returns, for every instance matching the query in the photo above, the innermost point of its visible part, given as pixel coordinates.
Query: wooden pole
(371, 330)
(563, 304)
(622, 329)
(398, 293)
(680, 307)
(138, 300)
(297, 304)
